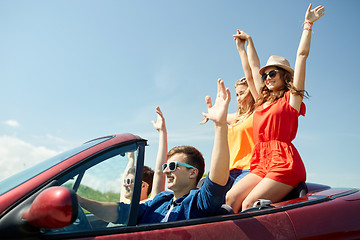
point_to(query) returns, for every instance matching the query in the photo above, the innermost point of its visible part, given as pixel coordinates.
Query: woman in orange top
(276, 166)
(240, 132)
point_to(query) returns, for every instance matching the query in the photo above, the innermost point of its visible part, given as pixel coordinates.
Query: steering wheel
(81, 222)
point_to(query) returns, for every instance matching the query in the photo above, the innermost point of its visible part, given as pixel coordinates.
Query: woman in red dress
(276, 166)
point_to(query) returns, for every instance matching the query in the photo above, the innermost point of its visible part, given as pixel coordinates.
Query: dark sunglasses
(173, 165)
(271, 74)
(128, 181)
(242, 80)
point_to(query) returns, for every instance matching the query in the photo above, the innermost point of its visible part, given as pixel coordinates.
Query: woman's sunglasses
(173, 165)
(271, 74)
(128, 181)
(242, 80)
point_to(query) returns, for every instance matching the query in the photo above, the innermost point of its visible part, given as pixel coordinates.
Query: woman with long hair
(240, 132)
(276, 166)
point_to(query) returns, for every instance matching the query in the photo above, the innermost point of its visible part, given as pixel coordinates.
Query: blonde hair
(244, 111)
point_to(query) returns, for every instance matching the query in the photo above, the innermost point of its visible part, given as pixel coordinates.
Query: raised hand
(218, 112)
(241, 35)
(239, 39)
(159, 125)
(131, 156)
(159, 178)
(315, 14)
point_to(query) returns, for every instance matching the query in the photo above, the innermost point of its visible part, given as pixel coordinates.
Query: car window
(101, 179)
(19, 178)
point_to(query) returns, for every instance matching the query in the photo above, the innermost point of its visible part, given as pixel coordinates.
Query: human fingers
(244, 35)
(159, 112)
(130, 154)
(156, 124)
(205, 119)
(208, 101)
(240, 36)
(221, 89)
(309, 8)
(218, 88)
(320, 10)
(209, 105)
(228, 96)
(319, 7)
(241, 32)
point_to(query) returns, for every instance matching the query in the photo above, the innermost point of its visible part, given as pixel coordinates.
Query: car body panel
(332, 219)
(277, 226)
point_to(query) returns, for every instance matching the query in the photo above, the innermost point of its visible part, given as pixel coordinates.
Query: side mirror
(55, 207)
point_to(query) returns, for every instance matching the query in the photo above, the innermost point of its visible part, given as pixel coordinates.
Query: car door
(95, 171)
(101, 178)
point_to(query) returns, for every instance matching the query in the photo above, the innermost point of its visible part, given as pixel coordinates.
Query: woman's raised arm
(311, 16)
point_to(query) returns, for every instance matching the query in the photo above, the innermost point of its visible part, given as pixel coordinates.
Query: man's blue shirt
(203, 202)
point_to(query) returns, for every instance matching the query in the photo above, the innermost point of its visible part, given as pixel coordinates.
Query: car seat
(300, 191)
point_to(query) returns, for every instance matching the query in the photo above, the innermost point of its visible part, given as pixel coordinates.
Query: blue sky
(71, 71)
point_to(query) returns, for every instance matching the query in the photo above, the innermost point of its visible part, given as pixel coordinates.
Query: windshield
(17, 179)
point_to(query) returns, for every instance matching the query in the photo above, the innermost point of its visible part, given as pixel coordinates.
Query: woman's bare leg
(240, 190)
(266, 189)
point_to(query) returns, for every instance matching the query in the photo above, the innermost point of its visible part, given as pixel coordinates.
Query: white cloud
(12, 123)
(53, 142)
(17, 155)
(101, 184)
(55, 139)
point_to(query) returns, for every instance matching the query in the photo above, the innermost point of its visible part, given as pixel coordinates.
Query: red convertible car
(41, 203)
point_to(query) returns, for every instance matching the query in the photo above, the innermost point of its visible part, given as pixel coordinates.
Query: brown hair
(270, 96)
(148, 176)
(193, 158)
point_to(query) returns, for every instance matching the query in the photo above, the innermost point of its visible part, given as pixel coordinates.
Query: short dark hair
(148, 176)
(193, 157)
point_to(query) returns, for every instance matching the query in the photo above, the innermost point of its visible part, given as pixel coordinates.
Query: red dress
(274, 155)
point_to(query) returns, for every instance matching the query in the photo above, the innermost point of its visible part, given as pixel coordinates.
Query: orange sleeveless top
(241, 144)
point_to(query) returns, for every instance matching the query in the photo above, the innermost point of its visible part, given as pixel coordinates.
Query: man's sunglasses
(173, 165)
(128, 181)
(271, 74)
